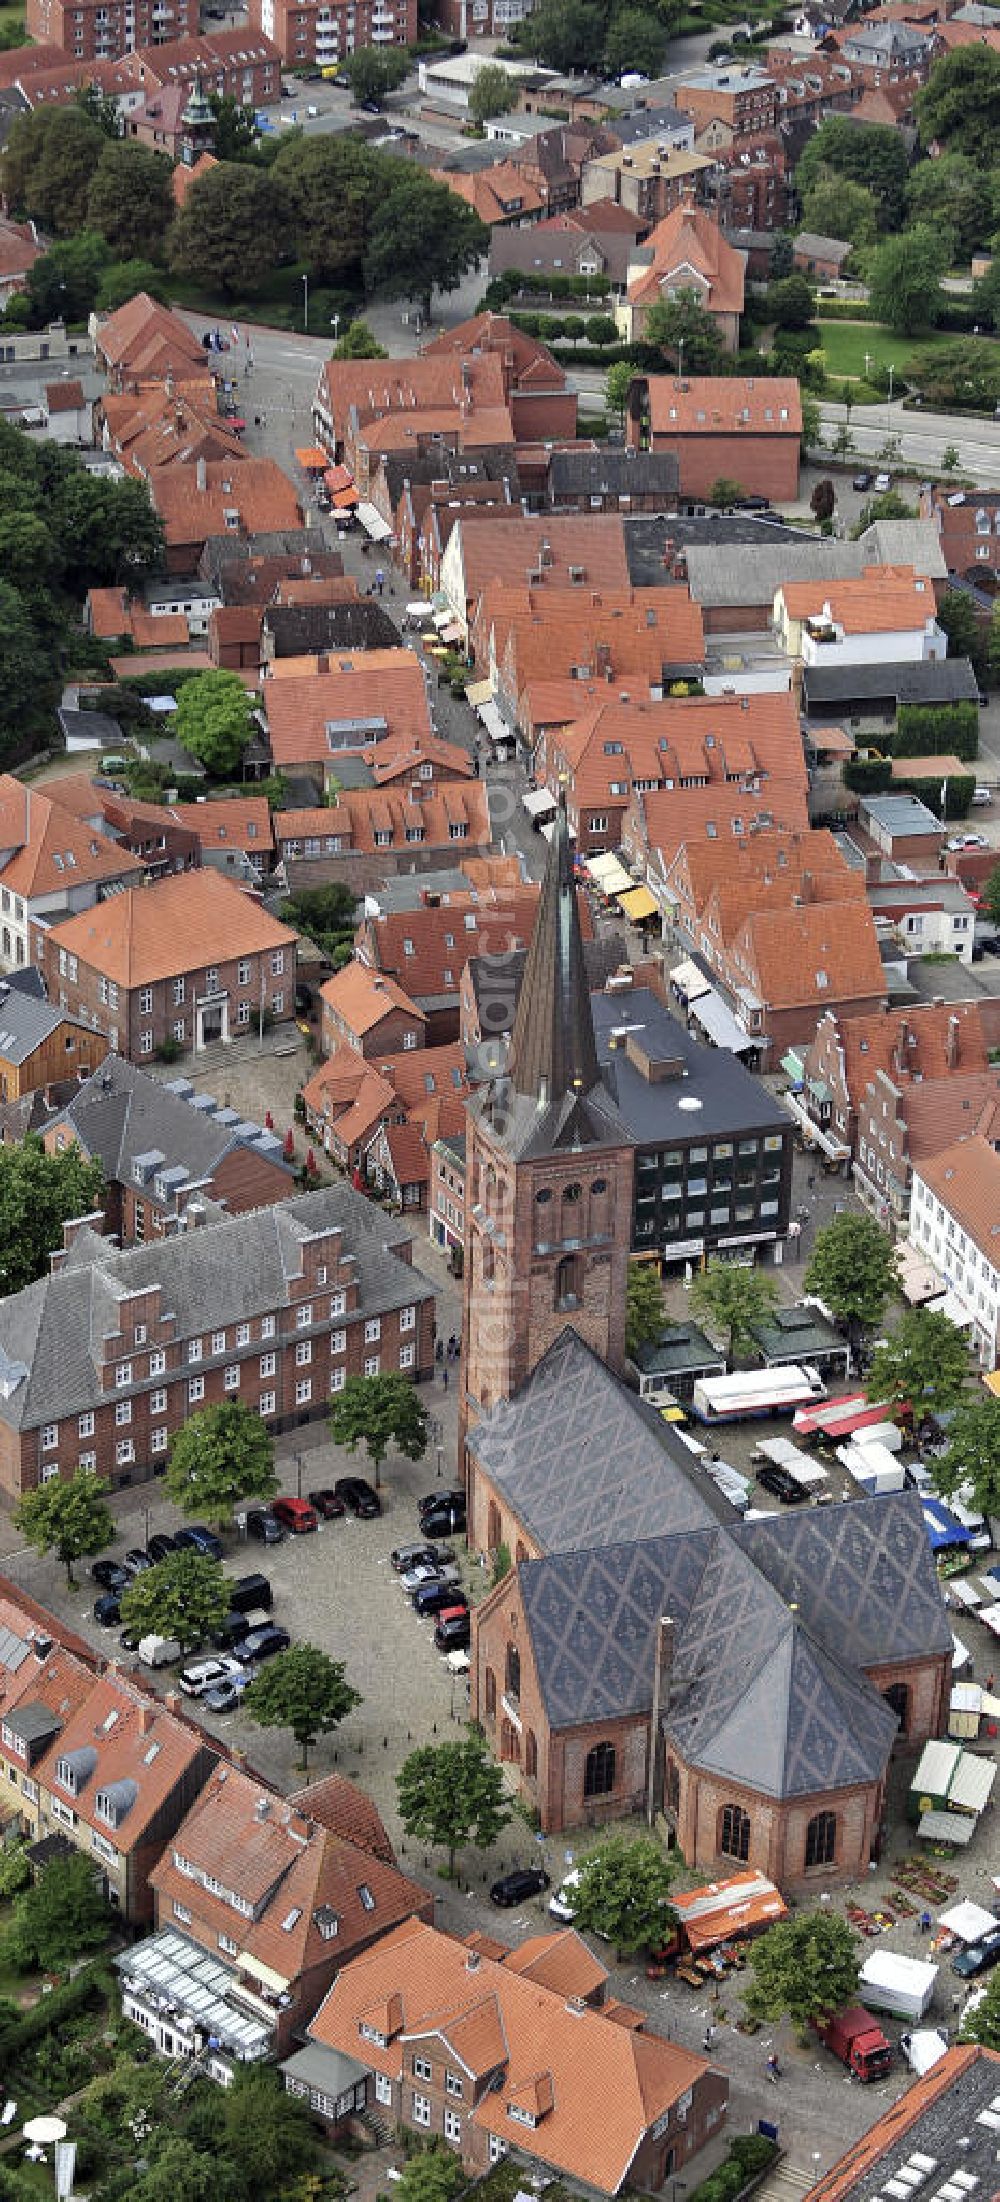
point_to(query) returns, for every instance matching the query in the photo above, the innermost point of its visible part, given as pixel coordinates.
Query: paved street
(923, 437)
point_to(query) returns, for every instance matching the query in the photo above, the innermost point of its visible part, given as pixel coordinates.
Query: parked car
(110, 1574)
(296, 1515)
(327, 1504)
(513, 1888)
(411, 1555)
(433, 1499)
(262, 1525)
(883, 482)
(978, 1957)
(443, 1521)
(198, 1539)
(863, 480)
(561, 1904)
(782, 1485)
(967, 841)
(130, 1639)
(136, 1561)
(358, 1497)
(434, 1597)
(989, 943)
(982, 797)
(264, 1642)
(250, 1591)
(751, 504)
(225, 1696)
(427, 1572)
(204, 1674)
(160, 1547)
(453, 1631)
(231, 1632)
(107, 1611)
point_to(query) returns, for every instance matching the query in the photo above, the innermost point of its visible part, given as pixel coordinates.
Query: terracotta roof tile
(52, 849)
(232, 822)
(367, 389)
(543, 547)
(497, 194)
(688, 239)
(718, 405)
(400, 756)
(359, 685)
(255, 489)
(158, 932)
(427, 949)
(883, 599)
(142, 329)
(933, 1110)
(966, 1180)
(64, 397)
(360, 814)
(364, 998)
(408, 1154)
(815, 955)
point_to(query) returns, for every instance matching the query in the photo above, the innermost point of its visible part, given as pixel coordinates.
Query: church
(744, 1684)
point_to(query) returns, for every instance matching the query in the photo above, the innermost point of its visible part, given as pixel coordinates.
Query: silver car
(428, 1572)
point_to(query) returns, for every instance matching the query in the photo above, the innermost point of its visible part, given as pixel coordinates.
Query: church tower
(549, 1169)
(197, 125)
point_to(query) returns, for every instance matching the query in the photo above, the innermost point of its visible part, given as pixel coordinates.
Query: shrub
(931, 730)
(868, 775)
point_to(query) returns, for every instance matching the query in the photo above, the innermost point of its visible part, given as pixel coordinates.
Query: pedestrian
(444, 1376)
(989, 1685)
(925, 1922)
(773, 2069)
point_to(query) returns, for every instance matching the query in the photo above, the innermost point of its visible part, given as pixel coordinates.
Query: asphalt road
(923, 437)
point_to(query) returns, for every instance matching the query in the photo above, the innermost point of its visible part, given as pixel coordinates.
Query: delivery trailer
(903, 1986)
(752, 1392)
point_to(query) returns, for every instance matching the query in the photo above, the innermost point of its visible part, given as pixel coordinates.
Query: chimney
(663, 1660)
(174, 1702)
(147, 1715)
(201, 475)
(951, 1044)
(472, 1962)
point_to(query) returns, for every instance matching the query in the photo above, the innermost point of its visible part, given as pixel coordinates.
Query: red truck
(857, 2039)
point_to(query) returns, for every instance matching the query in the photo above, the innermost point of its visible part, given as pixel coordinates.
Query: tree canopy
(130, 200)
(59, 1918)
(953, 193)
(40, 1192)
(218, 1458)
(359, 342)
(379, 1411)
(266, 2133)
(973, 1455)
(494, 92)
(231, 232)
(451, 1794)
(432, 2175)
(375, 71)
(64, 284)
(803, 1968)
(47, 165)
(904, 279)
(72, 1520)
(644, 1316)
(982, 2022)
(623, 1893)
(682, 328)
(185, 1596)
(302, 1689)
(734, 1300)
(925, 1363)
(563, 34)
(853, 1269)
(867, 153)
(422, 238)
(833, 206)
(959, 106)
(636, 39)
(215, 721)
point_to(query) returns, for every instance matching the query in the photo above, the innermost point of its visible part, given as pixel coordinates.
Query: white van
(561, 1903)
(158, 1651)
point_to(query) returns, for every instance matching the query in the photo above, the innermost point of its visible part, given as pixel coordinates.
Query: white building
(955, 1224)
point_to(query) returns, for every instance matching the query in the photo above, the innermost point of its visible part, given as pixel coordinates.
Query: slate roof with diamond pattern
(774, 1619)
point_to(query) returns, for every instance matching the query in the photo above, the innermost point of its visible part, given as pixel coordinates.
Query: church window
(821, 1839)
(734, 1832)
(599, 1771)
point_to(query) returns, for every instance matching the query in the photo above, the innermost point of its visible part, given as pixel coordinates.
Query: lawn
(12, 18)
(846, 342)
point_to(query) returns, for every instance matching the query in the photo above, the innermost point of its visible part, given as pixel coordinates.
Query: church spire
(552, 1051)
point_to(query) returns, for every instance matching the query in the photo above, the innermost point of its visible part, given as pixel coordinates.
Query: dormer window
(371, 2033)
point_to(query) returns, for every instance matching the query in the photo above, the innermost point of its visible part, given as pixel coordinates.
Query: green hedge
(868, 775)
(958, 798)
(931, 730)
(750, 2154)
(89, 1988)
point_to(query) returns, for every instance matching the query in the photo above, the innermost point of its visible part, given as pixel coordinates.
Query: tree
(991, 896)
(177, 2172)
(790, 304)
(303, 1690)
(835, 207)
(63, 285)
(866, 153)
(40, 1192)
(951, 457)
(563, 34)
(433, 2175)
(422, 238)
(330, 188)
(680, 325)
(130, 200)
(619, 382)
(71, 1520)
(451, 1794)
(806, 1968)
(61, 1916)
(572, 327)
(973, 1455)
(965, 372)
(494, 92)
(359, 342)
(981, 2020)
(47, 164)
(724, 492)
(266, 2133)
(235, 131)
(215, 720)
(101, 108)
(986, 295)
(812, 432)
(735, 1300)
(601, 330)
(644, 1317)
(185, 1596)
(823, 501)
(636, 40)
(623, 1893)
(904, 283)
(218, 1458)
(956, 193)
(30, 692)
(231, 232)
(956, 613)
(124, 281)
(109, 528)
(925, 1362)
(379, 1411)
(375, 71)
(843, 442)
(853, 1271)
(959, 106)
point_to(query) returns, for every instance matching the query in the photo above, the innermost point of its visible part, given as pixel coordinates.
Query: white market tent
(967, 1922)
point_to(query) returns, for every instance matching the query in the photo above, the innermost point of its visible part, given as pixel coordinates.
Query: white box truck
(158, 1651)
(903, 1986)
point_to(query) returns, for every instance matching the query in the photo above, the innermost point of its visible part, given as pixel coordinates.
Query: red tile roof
(52, 849)
(719, 405)
(64, 397)
(359, 685)
(689, 249)
(255, 490)
(172, 926)
(497, 194)
(966, 1181)
(364, 998)
(232, 822)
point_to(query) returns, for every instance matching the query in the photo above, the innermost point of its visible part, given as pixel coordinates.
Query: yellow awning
(479, 691)
(638, 903)
(992, 1382)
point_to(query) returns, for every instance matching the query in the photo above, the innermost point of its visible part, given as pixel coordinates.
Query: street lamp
(888, 410)
(305, 304)
(335, 325)
(298, 1475)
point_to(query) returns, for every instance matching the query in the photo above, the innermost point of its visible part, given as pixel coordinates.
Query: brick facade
(207, 1002)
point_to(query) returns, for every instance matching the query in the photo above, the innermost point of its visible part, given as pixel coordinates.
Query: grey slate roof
(913, 543)
(25, 1022)
(744, 574)
(774, 1619)
(936, 680)
(821, 248)
(228, 1271)
(123, 1116)
(610, 472)
(299, 629)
